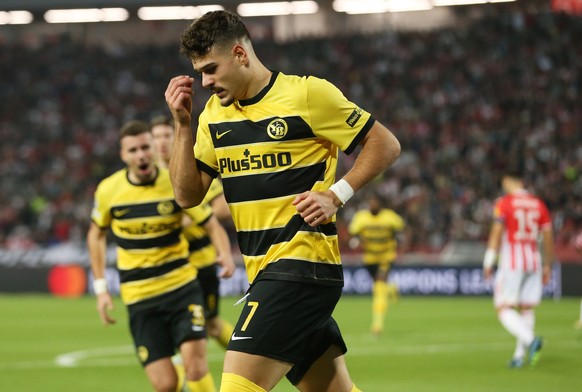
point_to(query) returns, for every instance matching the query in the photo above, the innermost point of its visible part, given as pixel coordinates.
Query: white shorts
(517, 288)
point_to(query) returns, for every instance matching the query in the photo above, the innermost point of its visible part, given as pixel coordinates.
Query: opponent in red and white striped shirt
(520, 220)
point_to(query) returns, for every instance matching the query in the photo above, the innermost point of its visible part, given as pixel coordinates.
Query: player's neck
(260, 78)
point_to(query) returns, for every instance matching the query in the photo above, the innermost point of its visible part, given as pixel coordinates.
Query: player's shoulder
(114, 181)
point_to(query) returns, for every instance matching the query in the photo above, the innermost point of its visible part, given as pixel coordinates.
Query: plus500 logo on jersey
(254, 162)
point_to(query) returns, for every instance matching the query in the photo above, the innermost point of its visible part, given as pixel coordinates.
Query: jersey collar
(262, 93)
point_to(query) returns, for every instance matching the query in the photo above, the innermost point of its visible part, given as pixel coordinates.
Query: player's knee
(196, 369)
(234, 383)
(164, 384)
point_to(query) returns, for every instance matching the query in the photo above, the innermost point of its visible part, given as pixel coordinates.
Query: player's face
(220, 71)
(374, 205)
(163, 137)
(138, 154)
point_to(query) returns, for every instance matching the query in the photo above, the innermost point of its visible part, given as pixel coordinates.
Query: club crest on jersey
(165, 208)
(277, 129)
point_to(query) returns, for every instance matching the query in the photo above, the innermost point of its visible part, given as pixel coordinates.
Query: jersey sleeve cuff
(206, 169)
(360, 136)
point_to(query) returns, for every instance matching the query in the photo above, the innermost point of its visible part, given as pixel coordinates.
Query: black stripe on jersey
(257, 243)
(136, 274)
(142, 210)
(206, 169)
(198, 244)
(249, 132)
(360, 136)
(156, 242)
(271, 185)
(304, 271)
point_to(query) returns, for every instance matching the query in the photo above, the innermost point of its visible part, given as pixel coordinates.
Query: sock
(392, 292)
(379, 305)
(205, 384)
(181, 373)
(225, 333)
(355, 389)
(529, 318)
(519, 352)
(515, 325)
(234, 383)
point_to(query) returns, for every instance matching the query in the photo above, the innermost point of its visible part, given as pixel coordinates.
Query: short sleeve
(101, 212)
(214, 191)
(355, 225)
(333, 117)
(200, 214)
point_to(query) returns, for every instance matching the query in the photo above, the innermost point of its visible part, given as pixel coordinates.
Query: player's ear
(240, 54)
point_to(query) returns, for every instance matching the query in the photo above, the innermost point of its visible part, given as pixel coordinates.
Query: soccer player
(203, 255)
(376, 228)
(274, 140)
(519, 219)
(158, 284)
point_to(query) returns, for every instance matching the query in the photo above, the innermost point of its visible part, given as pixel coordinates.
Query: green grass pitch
(431, 344)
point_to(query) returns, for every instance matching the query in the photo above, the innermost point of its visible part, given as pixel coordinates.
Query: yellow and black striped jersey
(202, 251)
(146, 223)
(377, 234)
(267, 150)
(214, 191)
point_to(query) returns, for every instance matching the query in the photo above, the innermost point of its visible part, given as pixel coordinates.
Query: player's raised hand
(104, 306)
(179, 98)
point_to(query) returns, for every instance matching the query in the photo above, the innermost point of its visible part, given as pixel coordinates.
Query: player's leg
(506, 298)
(530, 297)
(186, 317)
(250, 372)
(216, 327)
(162, 375)
(198, 377)
(379, 296)
(329, 373)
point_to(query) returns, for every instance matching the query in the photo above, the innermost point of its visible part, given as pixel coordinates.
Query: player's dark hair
(134, 128)
(162, 119)
(216, 28)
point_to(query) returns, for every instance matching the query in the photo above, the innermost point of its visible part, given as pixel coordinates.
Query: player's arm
(492, 248)
(190, 184)
(220, 207)
(97, 246)
(221, 243)
(548, 259)
(380, 148)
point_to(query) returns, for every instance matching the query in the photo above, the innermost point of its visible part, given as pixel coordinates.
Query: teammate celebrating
(274, 140)
(203, 254)
(519, 218)
(376, 229)
(158, 284)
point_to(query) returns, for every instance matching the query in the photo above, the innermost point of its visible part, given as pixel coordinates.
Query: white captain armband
(342, 190)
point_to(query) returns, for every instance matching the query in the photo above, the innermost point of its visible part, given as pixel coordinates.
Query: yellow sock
(181, 373)
(234, 383)
(393, 293)
(205, 384)
(379, 305)
(225, 333)
(355, 389)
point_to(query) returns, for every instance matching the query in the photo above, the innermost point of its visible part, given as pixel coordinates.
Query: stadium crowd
(463, 102)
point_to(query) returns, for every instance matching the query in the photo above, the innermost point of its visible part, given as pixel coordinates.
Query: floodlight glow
(440, 3)
(277, 8)
(175, 12)
(353, 7)
(15, 17)
(86, 15)
(408, 5)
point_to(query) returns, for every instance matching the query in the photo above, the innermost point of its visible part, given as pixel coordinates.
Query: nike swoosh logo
(219, 135)
(120, 213)
(240, 337)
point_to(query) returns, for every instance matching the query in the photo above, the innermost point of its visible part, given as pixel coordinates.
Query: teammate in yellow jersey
(203, 255)
(274, 139)
(376, 228)
(158, 284)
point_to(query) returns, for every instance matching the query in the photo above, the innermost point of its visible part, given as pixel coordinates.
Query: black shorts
(160, 325)
(208, 278)
(373, 269)
(288, 321)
